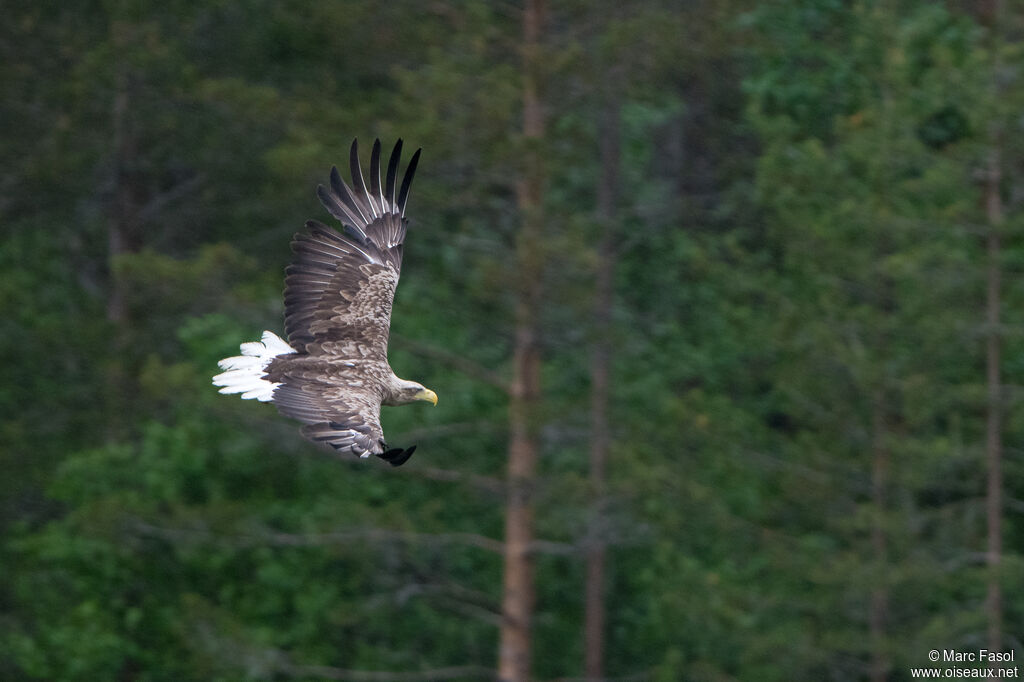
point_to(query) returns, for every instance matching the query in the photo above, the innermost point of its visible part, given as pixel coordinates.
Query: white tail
(244, 373)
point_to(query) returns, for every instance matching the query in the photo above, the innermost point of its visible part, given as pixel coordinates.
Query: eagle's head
(410, 392)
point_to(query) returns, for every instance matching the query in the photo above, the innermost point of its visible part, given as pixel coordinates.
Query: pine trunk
(518, 588)
(122, 212)
(993, 293)
(607, 199)
(123, 236)
(879, 607)
(993, 427)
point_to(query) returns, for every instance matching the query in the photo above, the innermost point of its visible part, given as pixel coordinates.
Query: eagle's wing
(338, 404)
(340, 287)
(338, 295)
(344, 417)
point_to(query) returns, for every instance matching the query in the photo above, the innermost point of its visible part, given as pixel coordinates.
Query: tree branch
(440, 430)
(269, 661)
(633, 677)
(487, 484)
(325, 672)
(456, 598)
(156, 204)
(458, 362)
(381, 535)
(281, 539)
(471, 610)
(276, 538)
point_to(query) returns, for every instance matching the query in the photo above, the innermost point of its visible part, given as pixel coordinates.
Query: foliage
(799, 284)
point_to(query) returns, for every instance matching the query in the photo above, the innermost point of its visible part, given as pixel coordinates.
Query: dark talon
(403, 457)
(396, 457)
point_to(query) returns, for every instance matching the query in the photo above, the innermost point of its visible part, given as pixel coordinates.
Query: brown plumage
(333, 374)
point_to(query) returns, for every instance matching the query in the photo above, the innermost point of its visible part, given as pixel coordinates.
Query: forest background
(721, 301)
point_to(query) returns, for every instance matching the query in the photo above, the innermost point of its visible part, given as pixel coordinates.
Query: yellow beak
(428, 396)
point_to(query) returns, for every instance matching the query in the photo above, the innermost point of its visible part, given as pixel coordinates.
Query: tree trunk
(123, 236)
(879, 607)
(607, 201)
(123, 208)
(993, 426)
(994, 403)
(518, 589)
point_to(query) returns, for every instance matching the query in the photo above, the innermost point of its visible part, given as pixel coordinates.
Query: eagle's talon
(389, 455)
(402, 457)
(396, 457)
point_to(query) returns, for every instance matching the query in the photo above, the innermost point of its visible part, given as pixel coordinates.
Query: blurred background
(721, 301)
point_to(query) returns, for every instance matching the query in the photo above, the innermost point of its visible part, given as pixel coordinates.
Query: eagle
(333, 373)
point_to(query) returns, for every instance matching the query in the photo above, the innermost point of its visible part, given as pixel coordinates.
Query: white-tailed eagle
(333, 373)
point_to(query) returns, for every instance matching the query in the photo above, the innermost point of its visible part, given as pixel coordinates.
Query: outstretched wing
(334, 414)
(339, 410)
(340, 287)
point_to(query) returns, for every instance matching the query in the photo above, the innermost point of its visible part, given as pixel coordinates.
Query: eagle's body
(333, 373)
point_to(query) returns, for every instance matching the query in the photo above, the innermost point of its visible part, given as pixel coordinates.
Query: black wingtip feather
(329, 202)
(375, 172)
(358, 185)
(336, 183)
(410, 171)
(344, 196)
(396, 157)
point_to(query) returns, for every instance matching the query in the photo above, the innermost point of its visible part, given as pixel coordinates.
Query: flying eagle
(333, 373)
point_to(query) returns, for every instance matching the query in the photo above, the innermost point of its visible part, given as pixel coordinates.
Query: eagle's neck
(398, 391)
